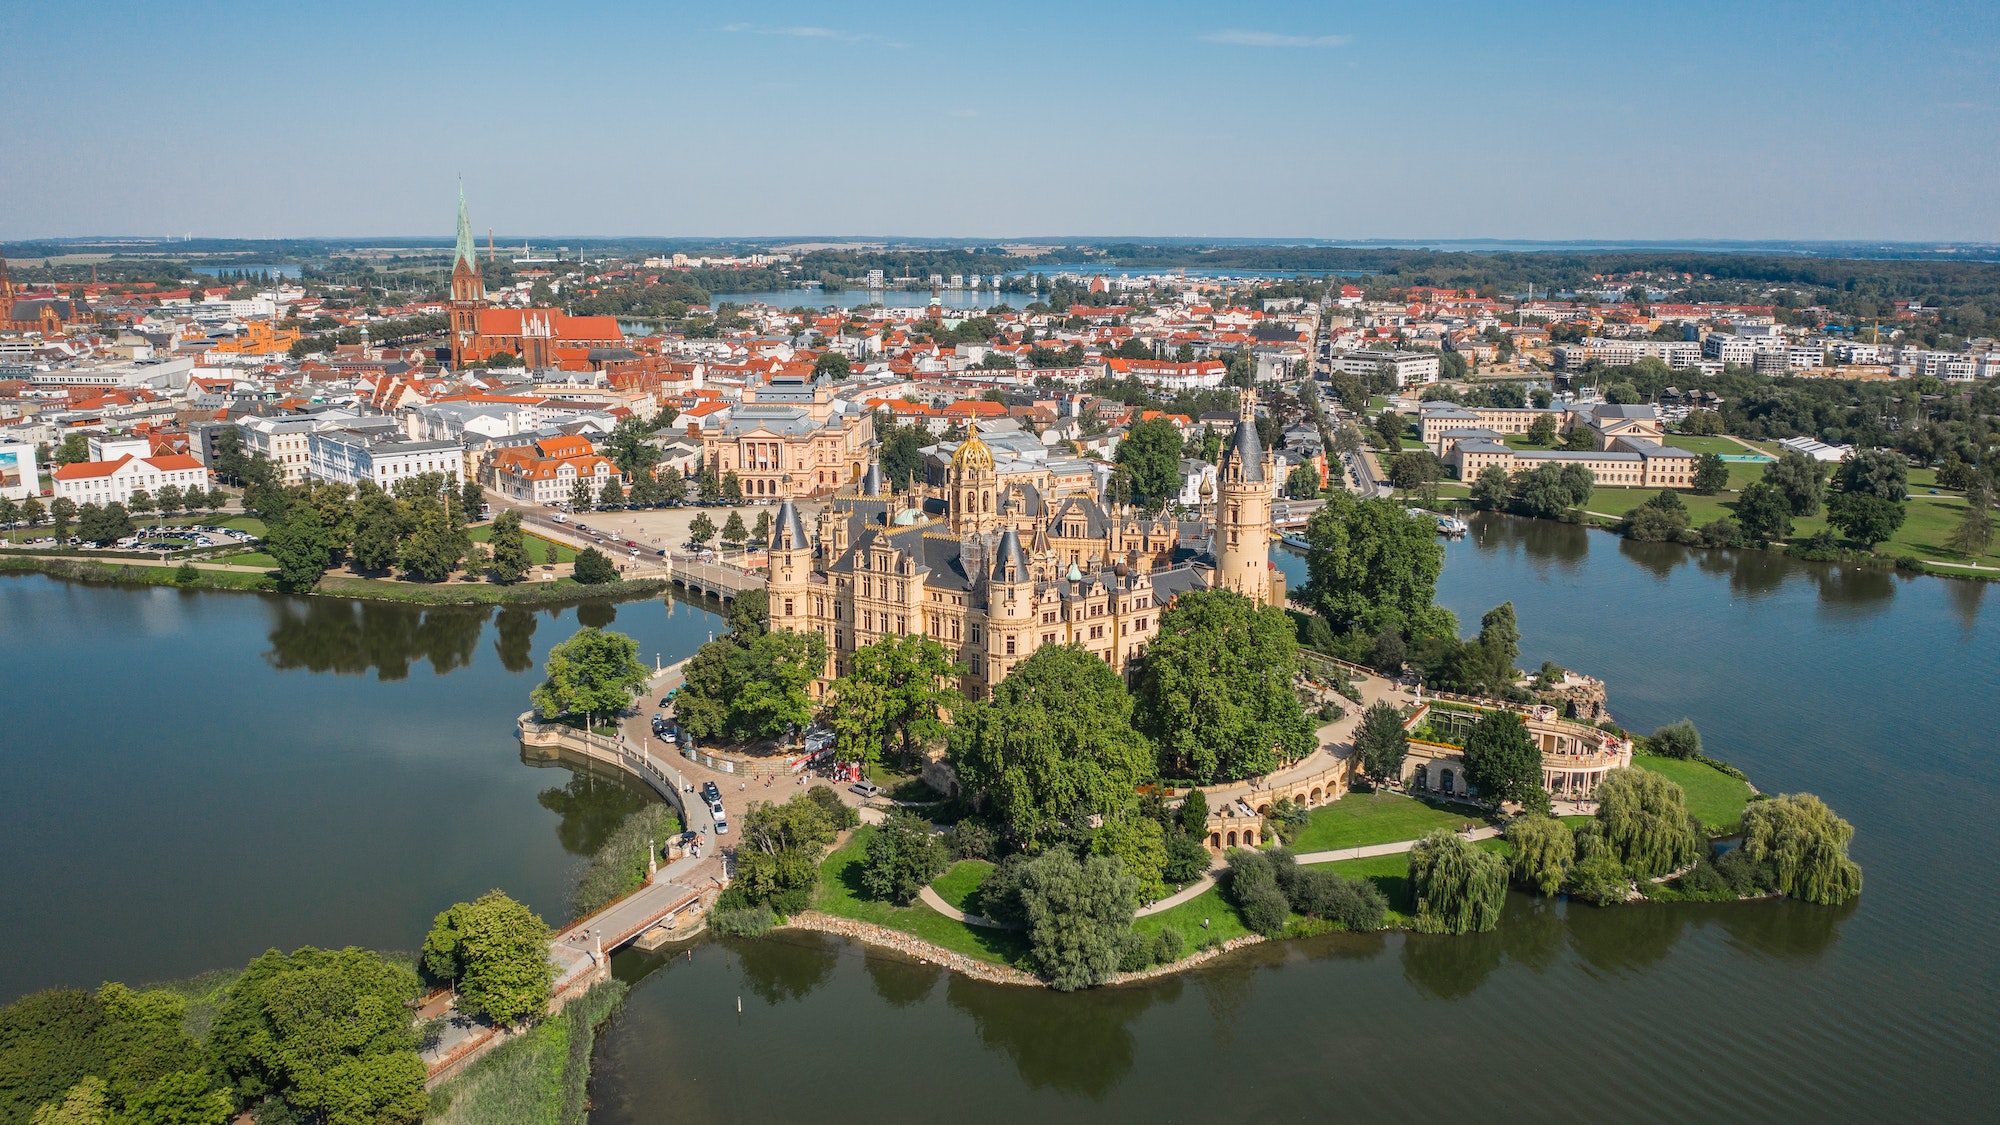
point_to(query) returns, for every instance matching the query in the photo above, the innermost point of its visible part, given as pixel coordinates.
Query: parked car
(721, 826)
(710, 793)
(560, 518)
(865, 788)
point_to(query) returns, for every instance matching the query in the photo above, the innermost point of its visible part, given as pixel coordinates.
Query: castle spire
(466, 253)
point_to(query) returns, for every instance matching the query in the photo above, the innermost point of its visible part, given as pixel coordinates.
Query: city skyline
(1829, 122)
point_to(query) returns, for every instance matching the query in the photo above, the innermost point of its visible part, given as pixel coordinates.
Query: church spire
(466, 254)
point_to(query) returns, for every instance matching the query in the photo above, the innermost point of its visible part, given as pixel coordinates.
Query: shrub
(1000, 891)
(1187, 859)
(1253, 884)
(742, 921)
(1745, 875)
(1351, 904)
(594, 568)
(1677, 740)
(186, 574)
(904, 855)
(972, 840)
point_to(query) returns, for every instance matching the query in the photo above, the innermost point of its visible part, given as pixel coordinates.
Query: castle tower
(468, 291)
(974, 486)
(790, 570)
(1243, 510)
(1010, 601)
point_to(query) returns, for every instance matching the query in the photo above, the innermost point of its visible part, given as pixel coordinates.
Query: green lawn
(539, 549)
(1520, 441)
(1391, 876)
(1360, 819)
(249, 558)
(1223, 921)
(1717, 798)
(841, 894)
(960, 885)
(1721, 445)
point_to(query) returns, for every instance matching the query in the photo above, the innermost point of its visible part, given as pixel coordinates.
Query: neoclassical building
(995, 573)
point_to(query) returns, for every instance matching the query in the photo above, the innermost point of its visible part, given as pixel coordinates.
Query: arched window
(1445, 781)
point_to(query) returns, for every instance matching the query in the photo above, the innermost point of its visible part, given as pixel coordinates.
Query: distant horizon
(1559, 122)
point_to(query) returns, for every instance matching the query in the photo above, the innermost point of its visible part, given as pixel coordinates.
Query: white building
(1412, 369)
(105, 482)
(351, 456)
(20, 477)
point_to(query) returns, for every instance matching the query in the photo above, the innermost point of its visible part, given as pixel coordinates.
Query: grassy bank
(1717, 798)
(841, 894)
(541, 552)
(619, 867)
(86, 570)
(539, 1078)
(1391, 876)
(562, 591)
(1210, 907)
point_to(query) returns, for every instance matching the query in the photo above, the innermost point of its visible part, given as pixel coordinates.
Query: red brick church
(540, 338)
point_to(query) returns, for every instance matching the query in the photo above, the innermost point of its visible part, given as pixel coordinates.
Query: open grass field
(1694, 444)
(249, 558)
(959, 885)
(1717, 798)
(841, 894)
(1360, 819)
(1928, 520)
(1223, 921)
(540, 551)
(1391, 876)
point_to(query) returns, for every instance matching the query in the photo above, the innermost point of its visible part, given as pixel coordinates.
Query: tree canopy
(1053, 745)
(743, 691)
(1151, 453)
(1380, 741)
(1502, 763)
(1214, 692)
(496, 951)
(897, 690)
(1372, 566)
(1458, 887)
(1643, 817)
(1078, 913)
(1807, 844)
(592, 673)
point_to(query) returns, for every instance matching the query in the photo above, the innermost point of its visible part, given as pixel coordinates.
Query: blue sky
(1830, 120)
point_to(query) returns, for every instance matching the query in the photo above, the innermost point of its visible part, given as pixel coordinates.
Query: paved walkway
(936, 902)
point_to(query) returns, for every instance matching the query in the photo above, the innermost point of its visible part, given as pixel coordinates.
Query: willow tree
(1544, 849)
(1644, 819)
(1807, 843)
(1458, 887)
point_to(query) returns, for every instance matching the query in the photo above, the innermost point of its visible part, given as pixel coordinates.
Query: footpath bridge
(718, 580)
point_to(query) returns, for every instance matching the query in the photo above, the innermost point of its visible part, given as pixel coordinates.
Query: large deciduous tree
(1878, 472)
(510, 548)
(1078, 914)
(592, 673)
(903, 856)
(1458, 888)
(1054, 744)
(1711, 474)
(1371, 566)
(1643, 817)
(898, 689)
(1864, 517)
(1151, 453)
(753, 690)
(1764, 513)
(1543, 850)
(1502, 763)
(496, 952)
(1214, 691)
(1380, 741)
(1800, 478)
(1807, 844)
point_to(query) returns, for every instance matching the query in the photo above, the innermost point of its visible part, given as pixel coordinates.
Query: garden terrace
(1575, 756)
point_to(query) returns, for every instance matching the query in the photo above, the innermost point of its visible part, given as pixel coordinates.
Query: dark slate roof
(871, 485)
(1247, 450)
(788, 532)
(1010, 554)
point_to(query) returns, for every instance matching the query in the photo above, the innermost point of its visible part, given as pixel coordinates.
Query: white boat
(1296, 540)
(1452, 526)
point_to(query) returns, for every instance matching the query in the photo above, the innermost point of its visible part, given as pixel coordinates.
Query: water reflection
(1567, 545)
(1077, 1043)
(787, 965)
(596, 615)
(1656, 559)
(592, 806)
(900, 982)
(514, 638)
(1623, 939)
(1783, 928)
(354, 637)
(1964, 596)
(1850, 591)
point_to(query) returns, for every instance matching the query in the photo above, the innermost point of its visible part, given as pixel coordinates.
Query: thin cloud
(808, 32)
(1275, 39)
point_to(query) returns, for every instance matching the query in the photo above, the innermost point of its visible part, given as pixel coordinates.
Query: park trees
(1458, 888)
(1415, 470)
(594, 568)
(1214, 692)
(612, 495)
(1543, 850)
(1806, 844)
(1711, 474)
(778, 853)
(1388, 434)
(1053, 745)
(1077, 913)
(903, 856)
(1764, 513)
(1151, 453)
(116, 1055)
(1372, 566)
(378, 529)
(1490, 488)
(103, 525)
(1502, 763)
(298, 543)
(1800, 478)
(510, 548)
(701, 529)
(898, 689)
(1140, 846)
(327, 1032)
(1380, 741)
(751, 688)
(580, 496)
(733, 531)
(62, 510)
(1643, 818)
(1661, 519)
(495, 951)
(1877, 472)
(1974, 533)
(593, 673)
(1549, 490)
(1865, 517)
(1303, 482)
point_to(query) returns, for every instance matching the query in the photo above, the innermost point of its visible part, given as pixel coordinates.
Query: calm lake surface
(1874, 691)
(189, 778)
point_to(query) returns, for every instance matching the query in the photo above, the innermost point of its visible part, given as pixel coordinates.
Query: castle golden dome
(972, 455)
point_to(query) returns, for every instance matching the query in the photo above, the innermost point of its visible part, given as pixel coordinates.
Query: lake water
(1876, 692)
(188, 778)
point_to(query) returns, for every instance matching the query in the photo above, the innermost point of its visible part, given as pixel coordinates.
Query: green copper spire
(466, 252)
